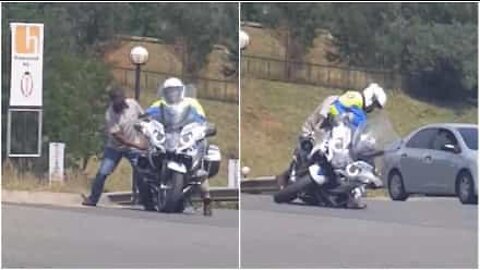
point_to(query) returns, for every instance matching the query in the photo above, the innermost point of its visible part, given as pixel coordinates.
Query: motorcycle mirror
(211, 130)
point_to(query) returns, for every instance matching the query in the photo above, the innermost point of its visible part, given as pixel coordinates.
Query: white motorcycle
(340, 167)
(178, 160)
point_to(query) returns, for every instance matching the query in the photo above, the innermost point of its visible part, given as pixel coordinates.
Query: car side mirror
(450, 148)
(211, 130)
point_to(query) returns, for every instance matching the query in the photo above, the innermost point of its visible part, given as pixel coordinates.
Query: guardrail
(265, 184)
(221, 194)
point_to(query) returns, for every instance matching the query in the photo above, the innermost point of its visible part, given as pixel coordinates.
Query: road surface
(56, 237)
(418, 233)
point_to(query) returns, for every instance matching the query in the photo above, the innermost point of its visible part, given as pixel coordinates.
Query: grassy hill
(273, 112)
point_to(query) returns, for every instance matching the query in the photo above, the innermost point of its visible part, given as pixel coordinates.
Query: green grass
(273, 112)
(76, 182)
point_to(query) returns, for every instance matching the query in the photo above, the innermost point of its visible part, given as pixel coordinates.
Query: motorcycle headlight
(158, 139)
(186, 139)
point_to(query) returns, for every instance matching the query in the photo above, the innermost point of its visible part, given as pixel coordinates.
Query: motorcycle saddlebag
(212, 160)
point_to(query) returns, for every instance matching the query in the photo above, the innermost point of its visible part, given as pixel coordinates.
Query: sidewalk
(49, 198)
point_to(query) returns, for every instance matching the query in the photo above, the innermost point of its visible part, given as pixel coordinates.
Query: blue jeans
(111, 158)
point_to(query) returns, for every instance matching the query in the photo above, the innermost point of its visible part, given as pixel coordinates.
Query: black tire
(146, 197)
(465, 188)
(173, 197)
(290, 192)
(396, 188)
(309, 199)
(282, 179)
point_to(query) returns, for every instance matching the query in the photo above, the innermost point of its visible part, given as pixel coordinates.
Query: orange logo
(27, 39)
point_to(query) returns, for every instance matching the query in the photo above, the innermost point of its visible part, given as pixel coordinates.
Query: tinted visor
(173, 95)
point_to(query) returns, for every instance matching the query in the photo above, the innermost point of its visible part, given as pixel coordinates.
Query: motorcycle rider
(357, 104)
(172, 98)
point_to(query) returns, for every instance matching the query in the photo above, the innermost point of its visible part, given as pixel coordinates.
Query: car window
(443, 137)
(470, 136)
(422, 139)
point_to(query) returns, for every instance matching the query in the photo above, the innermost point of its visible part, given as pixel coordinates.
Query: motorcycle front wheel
(290, 192)
(170, 200)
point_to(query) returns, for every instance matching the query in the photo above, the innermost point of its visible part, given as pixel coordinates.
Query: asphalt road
(56, 237)
(418, 233)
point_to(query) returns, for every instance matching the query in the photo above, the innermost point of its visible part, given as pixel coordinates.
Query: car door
(444, 162)
(414, 160)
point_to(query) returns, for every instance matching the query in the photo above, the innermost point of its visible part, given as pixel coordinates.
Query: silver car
(437, 159)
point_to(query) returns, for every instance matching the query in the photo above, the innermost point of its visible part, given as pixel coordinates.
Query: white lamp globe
(139, 55)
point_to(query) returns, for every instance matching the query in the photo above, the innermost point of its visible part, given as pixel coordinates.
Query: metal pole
(137, 97)
(137, 82)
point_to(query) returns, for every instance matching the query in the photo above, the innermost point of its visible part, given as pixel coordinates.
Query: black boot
(87, 201)
(207, 207)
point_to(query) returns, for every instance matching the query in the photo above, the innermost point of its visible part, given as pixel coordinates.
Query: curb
(48, 198)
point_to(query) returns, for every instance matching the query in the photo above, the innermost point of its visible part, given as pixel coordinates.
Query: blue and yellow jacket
(349, 102)
(195, 110)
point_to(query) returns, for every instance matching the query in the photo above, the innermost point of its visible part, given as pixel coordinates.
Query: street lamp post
(138, 56)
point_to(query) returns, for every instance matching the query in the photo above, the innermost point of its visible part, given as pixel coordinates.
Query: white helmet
(374, 95)
(172, 91)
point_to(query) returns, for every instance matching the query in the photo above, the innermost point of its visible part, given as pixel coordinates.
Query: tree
(197, 26)
(297, 22)
(436, 41)
(74, 79)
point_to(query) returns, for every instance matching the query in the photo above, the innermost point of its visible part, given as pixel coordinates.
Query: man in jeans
(123, 140)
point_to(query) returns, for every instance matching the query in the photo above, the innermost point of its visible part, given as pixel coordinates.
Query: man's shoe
(207, 207)
(87, 201)
(356, 204)
(188, 207)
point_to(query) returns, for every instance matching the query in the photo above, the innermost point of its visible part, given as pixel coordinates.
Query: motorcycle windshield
(374, 135)
(179, 115)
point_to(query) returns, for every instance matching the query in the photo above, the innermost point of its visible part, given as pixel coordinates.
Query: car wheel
(396, 189)
(465, 188)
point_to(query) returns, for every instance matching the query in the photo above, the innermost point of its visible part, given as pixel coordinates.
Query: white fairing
(191, 134)
(338, 146)
(342, 147)
(154, 132)
(363, 172)
(316, 174)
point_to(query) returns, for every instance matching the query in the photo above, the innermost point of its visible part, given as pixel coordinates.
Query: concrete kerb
(50, 198)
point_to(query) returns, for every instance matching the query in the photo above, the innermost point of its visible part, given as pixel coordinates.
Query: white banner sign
(56, 158)
(26, 81)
